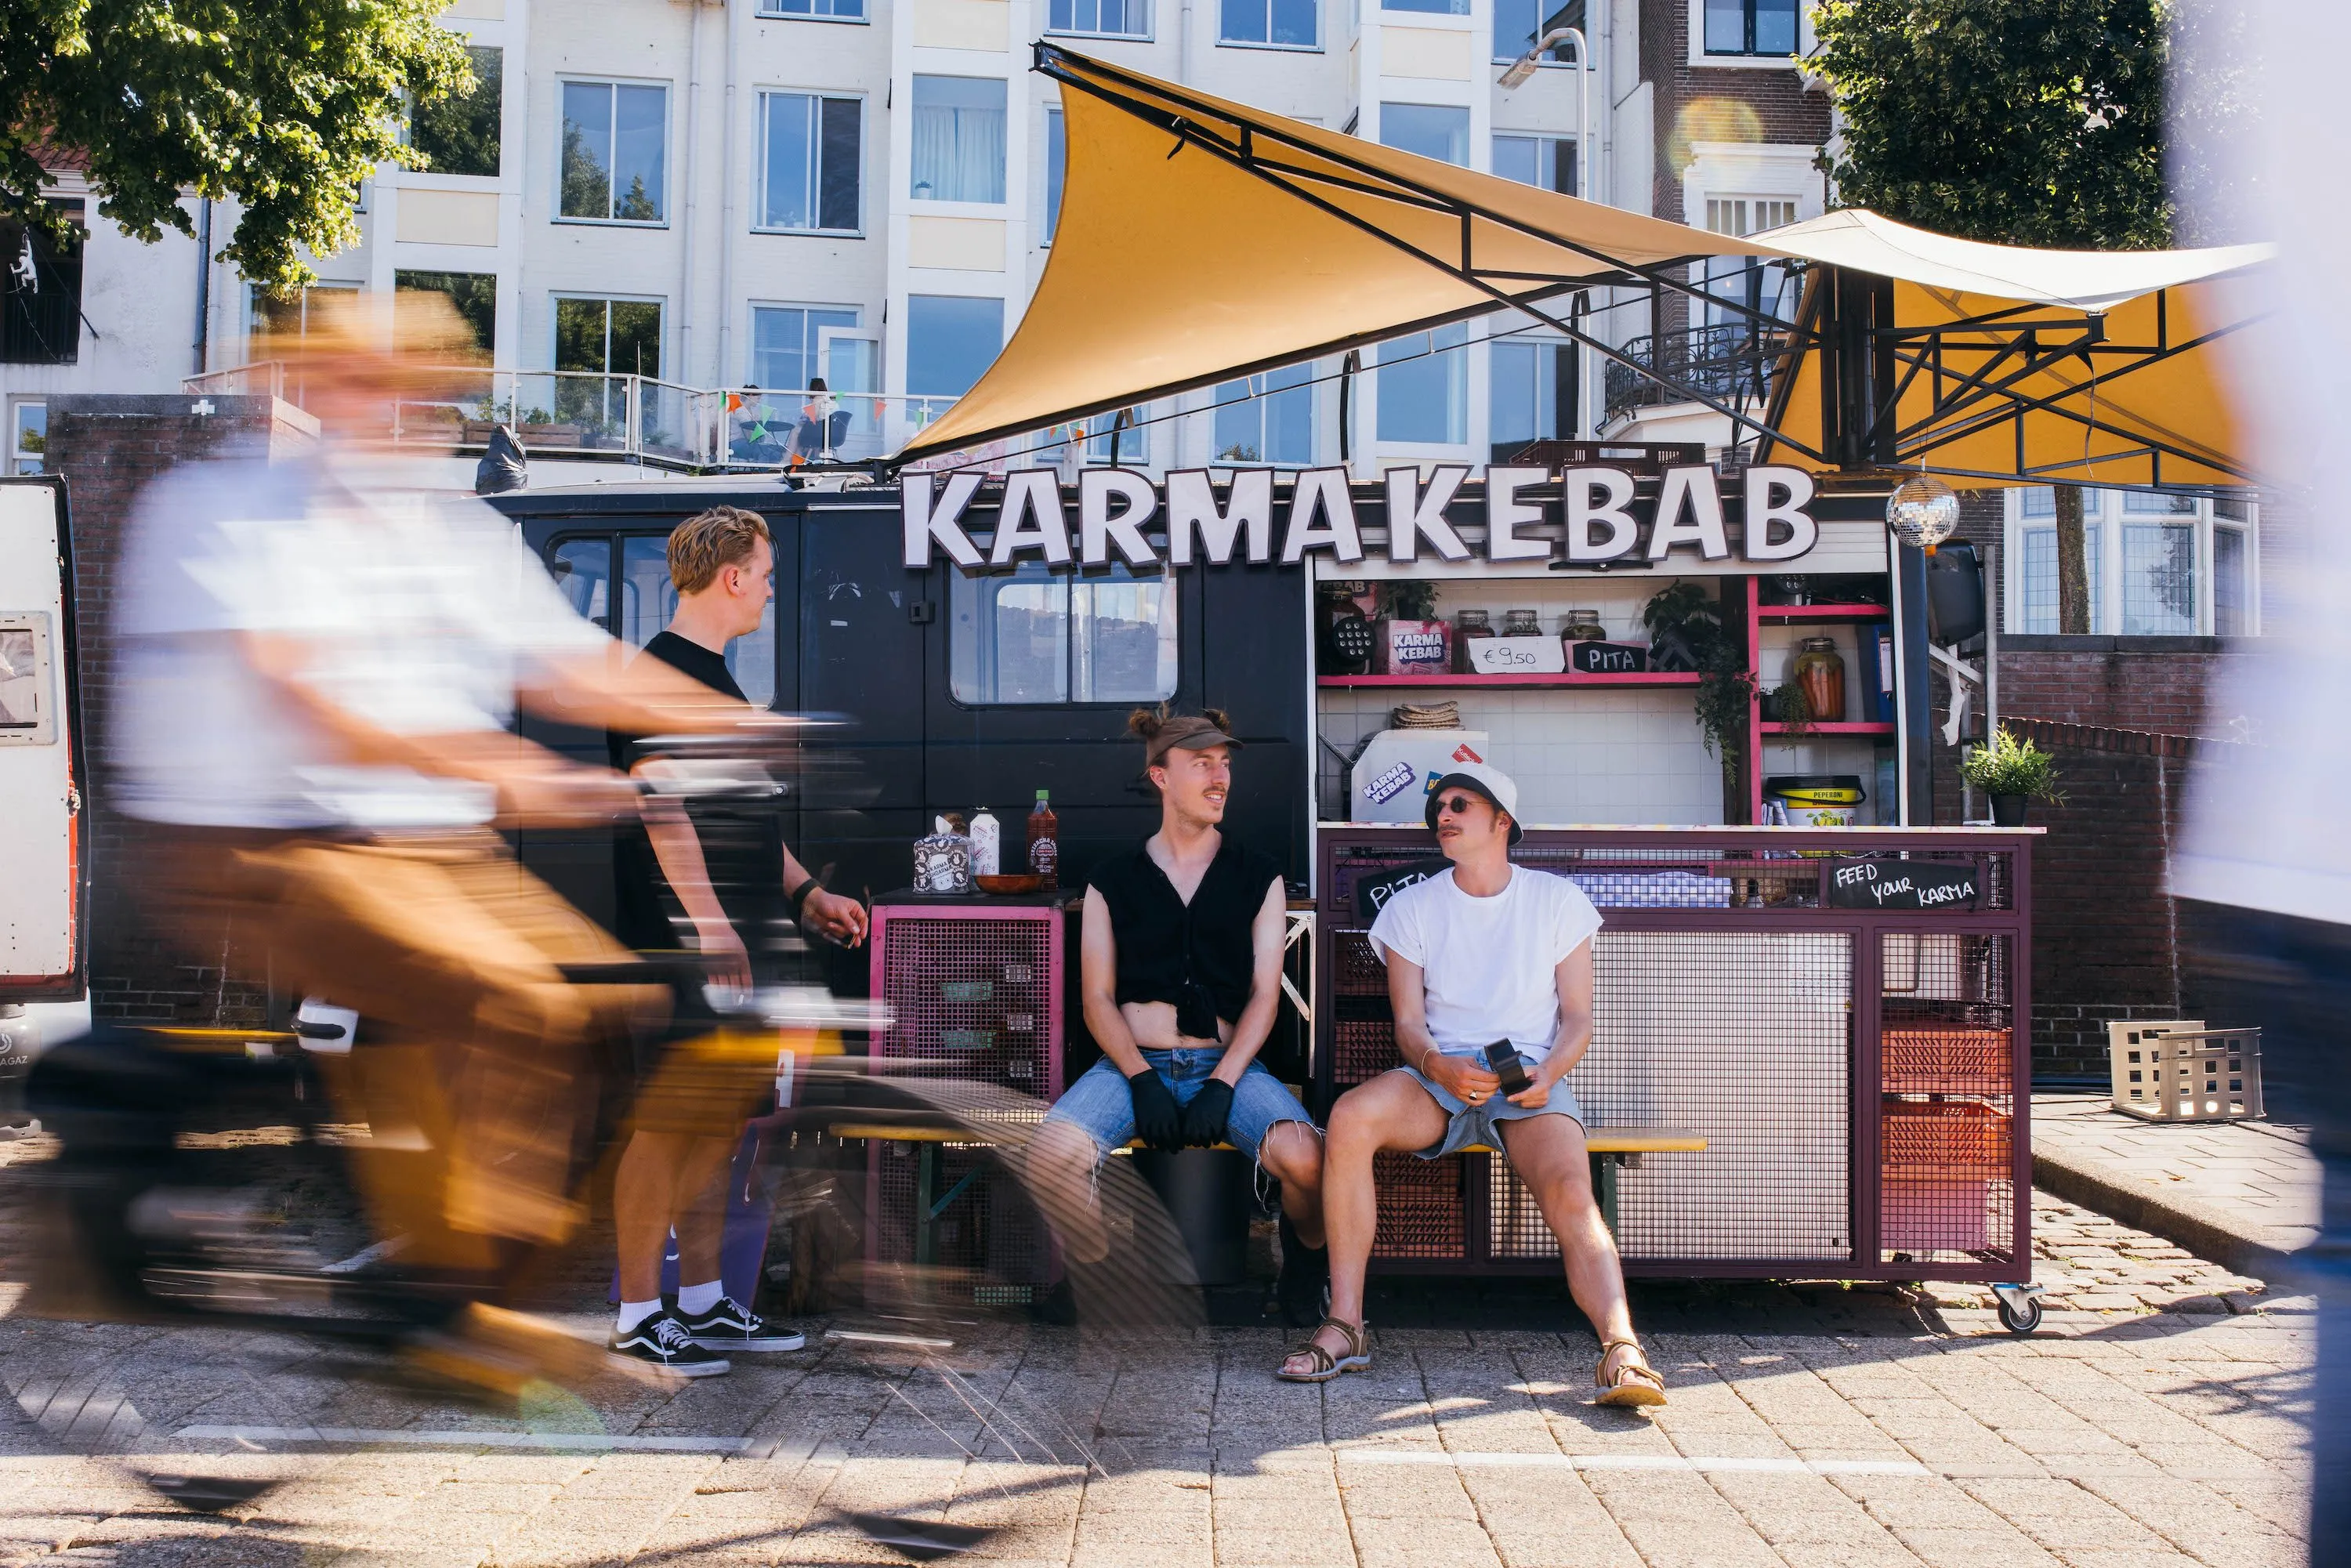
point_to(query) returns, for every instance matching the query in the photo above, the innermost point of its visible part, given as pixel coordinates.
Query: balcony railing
(582, 413)
(1729, 362)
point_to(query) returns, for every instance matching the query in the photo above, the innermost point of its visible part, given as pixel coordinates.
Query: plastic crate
(1422, 1210)
(2176, 1069)
(1361, 1048)
(1936, 1215)
(1916, 1060)
(1925, 1141)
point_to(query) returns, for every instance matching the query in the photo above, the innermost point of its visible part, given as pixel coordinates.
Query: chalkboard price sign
(1372, 892)
(1887, 882)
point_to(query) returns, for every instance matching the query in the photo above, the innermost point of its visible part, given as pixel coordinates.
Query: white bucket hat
(1483, 779)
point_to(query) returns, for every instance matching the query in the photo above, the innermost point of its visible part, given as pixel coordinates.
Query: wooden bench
(1610, 1149)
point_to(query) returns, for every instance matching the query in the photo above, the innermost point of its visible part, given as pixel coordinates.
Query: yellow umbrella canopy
(1201, 240)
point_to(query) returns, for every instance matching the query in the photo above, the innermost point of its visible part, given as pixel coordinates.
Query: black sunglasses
(1457, 804)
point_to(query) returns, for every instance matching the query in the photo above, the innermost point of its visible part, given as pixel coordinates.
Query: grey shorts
(1478, 1126)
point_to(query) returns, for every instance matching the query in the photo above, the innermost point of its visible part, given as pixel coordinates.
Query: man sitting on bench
(1181, 974)
(1486, 953)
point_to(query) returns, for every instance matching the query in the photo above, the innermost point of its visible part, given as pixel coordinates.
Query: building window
(1751, 28)
(1767, 287)
(1436, 7)
(582, 567)
(2147, 558)
(615, 152)
(1548, 161)
(1269, 24)
(1268, 418)
(1439, 131)
(1530, 393)
(459, 133)
(958, 152)
(601, 341)
(29, 436)
(1057, 158)
(269, 316)
(473, 295)
(40, 291)
(1101, 18)
(1518, 23)
(820, 10)
(812, 156)
(1042, 636)
(951, 339)
(1106, 440)
(784, 343)
(1423, 389)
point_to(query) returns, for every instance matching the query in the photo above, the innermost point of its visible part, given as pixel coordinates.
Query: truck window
(583, 565)
(1035, 636)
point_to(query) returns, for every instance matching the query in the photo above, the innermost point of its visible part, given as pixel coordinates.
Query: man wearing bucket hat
(1180, 972)
(1487, 958)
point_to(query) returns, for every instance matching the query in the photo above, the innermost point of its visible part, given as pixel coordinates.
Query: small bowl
(1008, 884)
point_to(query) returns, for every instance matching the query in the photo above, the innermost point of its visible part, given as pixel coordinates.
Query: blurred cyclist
(318, 670)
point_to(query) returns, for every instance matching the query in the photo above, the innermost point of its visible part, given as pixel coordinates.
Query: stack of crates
(974, 992)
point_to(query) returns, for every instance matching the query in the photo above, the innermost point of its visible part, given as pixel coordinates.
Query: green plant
(2010, 766)
(1787, 706)
(1408, 600)
(1684, 616)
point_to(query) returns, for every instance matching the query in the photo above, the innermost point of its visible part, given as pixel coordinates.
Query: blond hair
(710, 542)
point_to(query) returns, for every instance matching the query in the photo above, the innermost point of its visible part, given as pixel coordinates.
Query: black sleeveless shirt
(1198, 957)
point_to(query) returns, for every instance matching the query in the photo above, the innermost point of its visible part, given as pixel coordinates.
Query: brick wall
(1715, 103)
(108, 449)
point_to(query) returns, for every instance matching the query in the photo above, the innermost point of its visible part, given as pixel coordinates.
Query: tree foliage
(284, 106)
(2036, 122)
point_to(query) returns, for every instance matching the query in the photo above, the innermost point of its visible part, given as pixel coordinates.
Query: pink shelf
(1839, 728)
(1645, 678)
(1822, 612)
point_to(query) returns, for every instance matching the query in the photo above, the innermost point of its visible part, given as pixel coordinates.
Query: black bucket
(1208, 1193)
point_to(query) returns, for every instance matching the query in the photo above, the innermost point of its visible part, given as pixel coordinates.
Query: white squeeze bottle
(987, 841)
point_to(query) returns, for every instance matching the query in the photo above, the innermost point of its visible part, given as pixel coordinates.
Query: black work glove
(1205, 1117)
(1157, 1121)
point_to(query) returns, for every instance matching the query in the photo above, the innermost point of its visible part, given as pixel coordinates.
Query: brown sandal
(1358, 1357)
(1638, 1382)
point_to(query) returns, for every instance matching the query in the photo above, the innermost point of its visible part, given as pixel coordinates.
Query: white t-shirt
(420, 613)
(1488, 963)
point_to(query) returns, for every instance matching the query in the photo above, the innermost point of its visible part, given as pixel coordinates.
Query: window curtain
(958, 140)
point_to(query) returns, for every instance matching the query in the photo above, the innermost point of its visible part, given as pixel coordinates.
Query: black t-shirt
(1166, 945)
(742, 845)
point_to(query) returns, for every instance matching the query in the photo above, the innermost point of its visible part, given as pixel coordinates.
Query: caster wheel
(2020, 1322)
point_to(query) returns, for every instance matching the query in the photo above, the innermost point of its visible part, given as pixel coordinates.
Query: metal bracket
(1964, 675)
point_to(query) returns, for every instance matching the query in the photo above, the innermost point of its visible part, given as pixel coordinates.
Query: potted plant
(2012, 772)
(1686, 632)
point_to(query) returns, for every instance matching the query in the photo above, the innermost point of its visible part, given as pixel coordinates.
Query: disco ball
(1923, 512)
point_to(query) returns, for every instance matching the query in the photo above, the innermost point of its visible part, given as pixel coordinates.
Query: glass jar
(1521, 624)
(1819, 673)
(1582, 626)
(1469, 624)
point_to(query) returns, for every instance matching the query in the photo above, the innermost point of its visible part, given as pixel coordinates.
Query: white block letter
(1599, 496)
(1413, 512)
(1689, 490)
(1099, 528)
(1505, 512)
(925, 525)
(1192, 508)
(1323, 493)
(1031, 517)
(1794, 492)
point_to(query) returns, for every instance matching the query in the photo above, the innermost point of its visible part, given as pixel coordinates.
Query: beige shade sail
(1200, 240)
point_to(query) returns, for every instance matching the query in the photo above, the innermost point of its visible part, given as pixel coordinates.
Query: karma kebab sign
(1587, 516)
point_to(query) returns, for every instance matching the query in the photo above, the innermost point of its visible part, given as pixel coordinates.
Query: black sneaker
(730, 1325)
(1304, 1290)
(661, 1340)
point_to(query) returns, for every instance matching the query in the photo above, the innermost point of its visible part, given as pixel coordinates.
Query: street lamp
(1521, 70)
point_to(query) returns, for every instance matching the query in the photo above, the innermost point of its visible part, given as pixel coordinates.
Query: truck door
(45, 887)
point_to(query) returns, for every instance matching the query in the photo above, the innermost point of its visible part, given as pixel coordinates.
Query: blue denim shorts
(1100, 1104)
(1478, 1125)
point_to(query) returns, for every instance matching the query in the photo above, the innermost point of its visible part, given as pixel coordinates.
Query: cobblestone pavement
(2253, 1180)
(2159, 1419)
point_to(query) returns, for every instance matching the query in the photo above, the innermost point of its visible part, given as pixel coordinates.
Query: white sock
(694, 1301)
(634, 1313)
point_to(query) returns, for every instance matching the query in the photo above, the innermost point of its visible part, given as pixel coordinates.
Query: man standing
(733, 883)
(1486, 954)
(1180, 971)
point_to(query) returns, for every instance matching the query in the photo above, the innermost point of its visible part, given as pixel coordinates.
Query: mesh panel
(1948, 1084)
(991, 1232)
(1360, 1050)
(1420, 1208)
(1356, 969)
(1746, 1038)
(971, 998)
(1514, 1226)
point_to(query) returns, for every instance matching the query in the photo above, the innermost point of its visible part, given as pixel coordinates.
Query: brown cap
(1162, 732)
